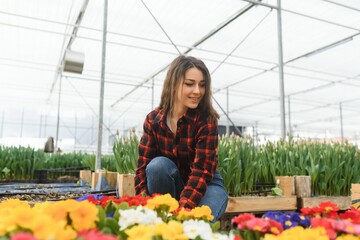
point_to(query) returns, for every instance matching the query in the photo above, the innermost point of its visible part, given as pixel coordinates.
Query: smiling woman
(178, 148)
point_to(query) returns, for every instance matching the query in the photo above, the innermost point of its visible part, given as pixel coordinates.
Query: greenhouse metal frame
(279, 68)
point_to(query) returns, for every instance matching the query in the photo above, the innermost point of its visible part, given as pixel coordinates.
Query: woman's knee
(160, 165)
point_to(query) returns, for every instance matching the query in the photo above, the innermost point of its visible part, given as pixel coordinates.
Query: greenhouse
(78, 78)
(240, 42)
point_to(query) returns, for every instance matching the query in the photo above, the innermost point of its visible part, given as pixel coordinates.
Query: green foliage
(126, 153)
(332, 166)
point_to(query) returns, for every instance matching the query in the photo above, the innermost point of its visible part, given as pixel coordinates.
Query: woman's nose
(197, 89)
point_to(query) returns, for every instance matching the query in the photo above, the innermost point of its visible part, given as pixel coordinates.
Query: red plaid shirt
(193, 150)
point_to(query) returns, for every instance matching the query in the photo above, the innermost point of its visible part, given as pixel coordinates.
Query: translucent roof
(238, 41)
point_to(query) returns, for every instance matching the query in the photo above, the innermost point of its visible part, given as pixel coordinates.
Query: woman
(178, 148)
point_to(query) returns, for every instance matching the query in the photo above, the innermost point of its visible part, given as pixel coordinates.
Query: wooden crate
(85, 177)
(126, 184)
(287, 185)
(343, 202)
(261, 204)
(355, 191)
(111, 178)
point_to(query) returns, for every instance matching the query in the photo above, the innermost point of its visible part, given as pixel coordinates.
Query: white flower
(139, 215)
(197, 228)
(219, 236)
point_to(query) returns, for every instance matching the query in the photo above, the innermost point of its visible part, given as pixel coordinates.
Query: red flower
(241, 219)
(306, 211)
(352, 215)
(236, 237)
(275, 227)
(329, 207)
(325, 209)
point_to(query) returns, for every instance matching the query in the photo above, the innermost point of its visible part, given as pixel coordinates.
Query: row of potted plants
(333, 167)
(159, 217)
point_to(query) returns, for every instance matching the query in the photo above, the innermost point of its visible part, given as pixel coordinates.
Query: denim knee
(163, 177)
(161, 165)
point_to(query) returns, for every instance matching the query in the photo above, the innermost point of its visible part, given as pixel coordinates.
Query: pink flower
(23, 236)
(258, 224)
(94, 234)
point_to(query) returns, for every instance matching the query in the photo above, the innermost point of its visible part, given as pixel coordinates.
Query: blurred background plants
(242, 162)
(332, 166)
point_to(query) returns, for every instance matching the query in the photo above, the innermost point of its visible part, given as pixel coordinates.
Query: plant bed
(32, 192)
(261, 204)
(343, 202)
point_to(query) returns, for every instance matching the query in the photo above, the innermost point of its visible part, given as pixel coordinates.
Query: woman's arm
(203, 167)
(147, 151)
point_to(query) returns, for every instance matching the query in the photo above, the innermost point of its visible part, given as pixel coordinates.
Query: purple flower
(274, 215)
(94, 197)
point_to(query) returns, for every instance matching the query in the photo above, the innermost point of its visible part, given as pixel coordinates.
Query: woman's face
(191, 90)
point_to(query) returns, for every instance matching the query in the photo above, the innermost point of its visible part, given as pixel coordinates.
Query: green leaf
(276, 191)
(102, 217)
(113, 225)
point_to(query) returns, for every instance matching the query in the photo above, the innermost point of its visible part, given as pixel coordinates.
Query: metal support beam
(152, 93)
(2, 124)
(200, 41)
(102, 87)
(227, 112)
(75, 134)
(40, 128)
(22, 123)
(71, 40)
(341, 123)
(289, 117)
(281, 72)
(58, 115)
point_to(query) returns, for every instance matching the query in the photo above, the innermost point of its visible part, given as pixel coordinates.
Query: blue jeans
(163, 177)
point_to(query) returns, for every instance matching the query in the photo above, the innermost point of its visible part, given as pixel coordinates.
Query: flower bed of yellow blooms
(159, 217)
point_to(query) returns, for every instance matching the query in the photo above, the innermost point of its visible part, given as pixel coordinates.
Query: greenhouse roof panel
(237, 40)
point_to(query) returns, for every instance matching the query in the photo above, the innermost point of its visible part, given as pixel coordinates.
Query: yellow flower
(67, 233)
(24, 216)
(170, 231)
(140, 232)
(14, 203)
(203, 212)
(44, 227)
(299, 233)
(348, 237)
(83, 215)
(57, 210)
(163, 200)
(7, 221)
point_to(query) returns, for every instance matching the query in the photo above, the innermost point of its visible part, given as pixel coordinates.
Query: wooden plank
(343, 202)
(261, 204)
(287, 185)
(355, 191)
(85, 177)
(111, 178)
(303, 186)
(126, 184)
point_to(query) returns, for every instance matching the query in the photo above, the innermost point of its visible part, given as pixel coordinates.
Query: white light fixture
(73, 61)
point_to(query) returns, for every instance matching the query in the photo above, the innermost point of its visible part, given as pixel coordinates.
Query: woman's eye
(188, 84)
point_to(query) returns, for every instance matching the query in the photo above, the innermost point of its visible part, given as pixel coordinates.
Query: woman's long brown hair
(174, 78)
